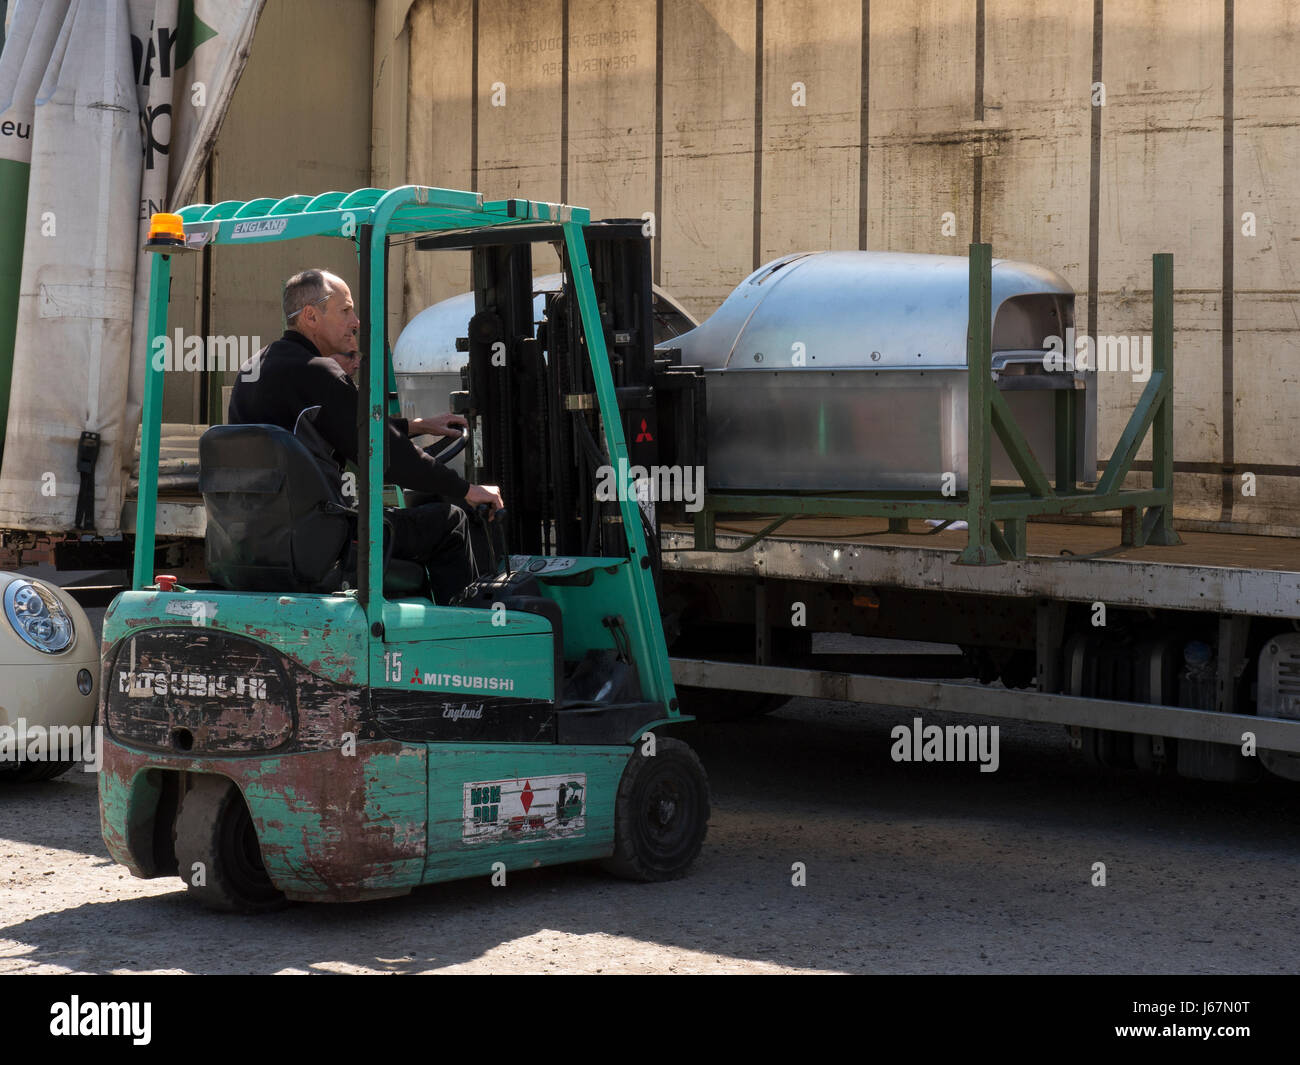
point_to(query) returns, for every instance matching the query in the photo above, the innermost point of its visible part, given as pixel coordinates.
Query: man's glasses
(313, 303)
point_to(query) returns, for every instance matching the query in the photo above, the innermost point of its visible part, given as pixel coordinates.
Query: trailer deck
(1224, 573)
(1210, 572)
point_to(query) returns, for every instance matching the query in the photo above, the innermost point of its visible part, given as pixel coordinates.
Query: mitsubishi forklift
(311, 725)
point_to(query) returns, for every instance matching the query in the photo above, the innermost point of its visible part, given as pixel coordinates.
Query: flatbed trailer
(1082, 632)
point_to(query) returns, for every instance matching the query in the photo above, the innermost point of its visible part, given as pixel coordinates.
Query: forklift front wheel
(217, 852)
(661, 813)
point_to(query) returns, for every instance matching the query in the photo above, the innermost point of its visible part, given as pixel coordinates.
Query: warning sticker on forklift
(535, 808)
(199, 611)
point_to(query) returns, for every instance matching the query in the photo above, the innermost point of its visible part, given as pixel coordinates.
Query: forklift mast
(530, 398)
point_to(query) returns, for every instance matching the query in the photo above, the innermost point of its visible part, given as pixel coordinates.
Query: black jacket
(298, 389)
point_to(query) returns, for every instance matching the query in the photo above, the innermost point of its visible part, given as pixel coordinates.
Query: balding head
(305, 288)
(318, 304)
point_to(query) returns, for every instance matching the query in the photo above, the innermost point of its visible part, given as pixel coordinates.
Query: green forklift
(309, 724)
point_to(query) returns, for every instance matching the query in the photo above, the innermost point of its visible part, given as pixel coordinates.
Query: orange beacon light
(166, 233)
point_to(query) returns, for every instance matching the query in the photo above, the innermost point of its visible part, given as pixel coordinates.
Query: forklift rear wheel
(217, 852)
(661, 813)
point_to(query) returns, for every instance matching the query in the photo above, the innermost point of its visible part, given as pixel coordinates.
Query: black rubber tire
(31, 772)
(213, 827)
(721, 704)
(661, 813)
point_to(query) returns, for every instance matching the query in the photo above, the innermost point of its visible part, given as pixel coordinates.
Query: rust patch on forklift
(331, 826)
(339, 827)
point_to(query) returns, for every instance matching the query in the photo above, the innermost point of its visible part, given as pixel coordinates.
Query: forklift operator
(301, 386)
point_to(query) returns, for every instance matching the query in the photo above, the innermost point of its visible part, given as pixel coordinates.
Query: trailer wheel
(217, 852)
(31, 772)
(661, 813)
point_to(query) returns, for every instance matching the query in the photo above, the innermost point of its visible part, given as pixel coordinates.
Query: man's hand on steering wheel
(452, 426)
(442, 425)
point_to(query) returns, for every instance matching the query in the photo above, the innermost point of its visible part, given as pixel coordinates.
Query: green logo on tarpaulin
(169, 49)
(191, 31)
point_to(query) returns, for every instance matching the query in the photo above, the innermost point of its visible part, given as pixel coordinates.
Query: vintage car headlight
(38, 617)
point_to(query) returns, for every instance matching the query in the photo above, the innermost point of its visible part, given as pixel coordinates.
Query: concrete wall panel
(812, 89)
(611, 107)
(1161, 190)
(439, 135)
(1266, 266)
(1038, 111)
(518, 132)
(708, 144)
(922, 118)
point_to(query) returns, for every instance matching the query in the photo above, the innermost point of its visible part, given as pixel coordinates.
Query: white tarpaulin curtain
(32, 32)
(128, 105)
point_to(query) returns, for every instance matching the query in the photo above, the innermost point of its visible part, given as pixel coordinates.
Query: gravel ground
(911, 868)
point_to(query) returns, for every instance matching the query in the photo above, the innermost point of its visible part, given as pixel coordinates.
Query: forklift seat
(276, 522)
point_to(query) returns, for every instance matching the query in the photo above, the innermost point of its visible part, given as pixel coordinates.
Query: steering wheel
(441, 453)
